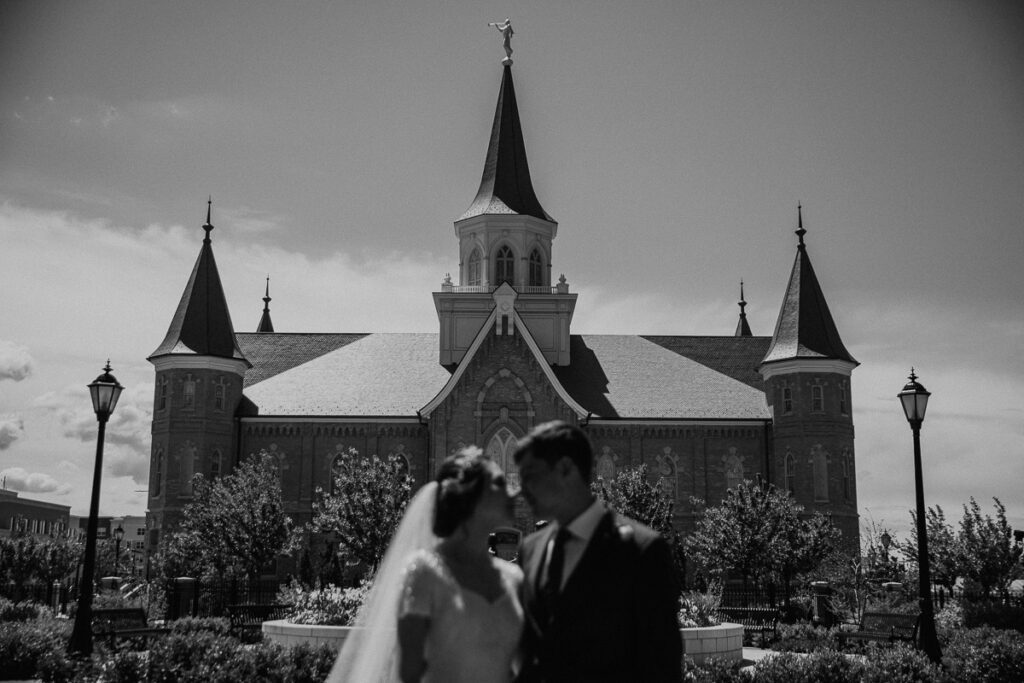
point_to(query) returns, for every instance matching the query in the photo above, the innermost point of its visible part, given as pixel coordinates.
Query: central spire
(505, 187)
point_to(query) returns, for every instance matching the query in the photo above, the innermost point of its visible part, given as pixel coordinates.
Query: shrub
(307, 663)
(985, 654)
(698, 609)
(23, 643)
(901, 663)
(713, 670)
(22, 611)
(804, 637)
(219, 626)
(824, 665)
(329, 606)
(993, 614)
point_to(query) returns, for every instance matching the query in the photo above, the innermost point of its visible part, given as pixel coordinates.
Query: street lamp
(915, 400)
(105, 390)
(118, 537)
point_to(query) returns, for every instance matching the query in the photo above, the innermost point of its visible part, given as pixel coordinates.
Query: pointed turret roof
(805, 328)
(742, 328)
(265, 324)
(505, 187)
(202, 324)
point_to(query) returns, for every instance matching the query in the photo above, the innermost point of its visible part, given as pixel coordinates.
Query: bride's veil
(370, 653)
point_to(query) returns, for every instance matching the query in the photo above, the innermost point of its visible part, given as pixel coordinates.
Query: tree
(235, 524)
(632, 494)
(945, 550)
(366, 504)
(760, 533)
(990, 552)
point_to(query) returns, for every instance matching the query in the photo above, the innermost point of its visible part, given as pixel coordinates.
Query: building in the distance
(702, 412)
(32, 517)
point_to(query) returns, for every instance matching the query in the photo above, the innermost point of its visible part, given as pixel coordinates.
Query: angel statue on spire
(506, 34)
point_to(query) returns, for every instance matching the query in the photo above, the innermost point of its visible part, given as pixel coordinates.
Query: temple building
(702, 412)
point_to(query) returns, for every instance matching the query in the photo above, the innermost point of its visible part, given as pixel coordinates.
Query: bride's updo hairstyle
(460, 483)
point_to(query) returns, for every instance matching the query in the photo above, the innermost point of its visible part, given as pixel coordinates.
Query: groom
(600, 593)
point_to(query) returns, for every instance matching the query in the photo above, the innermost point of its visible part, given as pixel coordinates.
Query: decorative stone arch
(503, 417)
(544, 254)
(404, 464)
(475, 267)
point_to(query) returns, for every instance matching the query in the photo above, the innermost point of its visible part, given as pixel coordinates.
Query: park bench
(251, 617)
(884, 627)
(123, 622)
(763, 620)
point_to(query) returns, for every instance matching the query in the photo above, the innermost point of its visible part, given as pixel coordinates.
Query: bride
(442, 608)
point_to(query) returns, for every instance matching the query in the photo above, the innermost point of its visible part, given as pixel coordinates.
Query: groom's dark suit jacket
(615, 620)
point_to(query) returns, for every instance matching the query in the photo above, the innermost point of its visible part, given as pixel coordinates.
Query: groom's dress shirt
(580, 530)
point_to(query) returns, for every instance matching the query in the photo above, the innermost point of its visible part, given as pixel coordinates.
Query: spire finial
(800, 232)
(742, 302)
(266, 297)
(506, 34)
(912, 377)
(742, 327)
(208, 226)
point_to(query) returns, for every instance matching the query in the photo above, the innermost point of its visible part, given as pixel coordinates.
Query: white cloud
(12, 428)
(18, 479)
(15, 362)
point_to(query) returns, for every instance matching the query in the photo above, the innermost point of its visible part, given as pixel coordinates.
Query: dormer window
(504, 266)
(474, 268)
(536, 269)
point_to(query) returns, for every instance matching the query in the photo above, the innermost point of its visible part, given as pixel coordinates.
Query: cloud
(12, 428)
(15, 361)
(18, 479)
(129, 426)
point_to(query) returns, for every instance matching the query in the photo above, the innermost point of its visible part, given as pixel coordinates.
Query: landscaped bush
(220, 626)
(985, 654)
(22, 611)
(804, 637)
(901, 663)
(824, 665)
(698, 609)
(328, 606)
(713, 670)
(993, 614)
(22, 643)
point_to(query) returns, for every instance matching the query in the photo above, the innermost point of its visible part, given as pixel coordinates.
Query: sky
(671, 140)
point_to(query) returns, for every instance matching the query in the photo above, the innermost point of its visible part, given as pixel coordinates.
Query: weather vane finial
(506, 34)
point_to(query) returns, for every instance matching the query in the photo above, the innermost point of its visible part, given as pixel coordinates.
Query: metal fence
(188, 597)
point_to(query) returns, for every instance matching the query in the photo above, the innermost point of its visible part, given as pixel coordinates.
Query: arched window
(189, 466)
(843, 409)
(500, 449)
(189, 392)
(158, 474)
(787, 400)
(817, 399)
(847, 466)
(504, 266)
(536, 269)
(215, 465)
(218, 394)
(474, 268)
(162, 401)
(790, 473)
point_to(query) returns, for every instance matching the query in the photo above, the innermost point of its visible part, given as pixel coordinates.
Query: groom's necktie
(556, 561)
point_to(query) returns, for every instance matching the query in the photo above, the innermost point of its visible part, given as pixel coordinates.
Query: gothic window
(817, 398)
(536, 269)
(819, 461)
(215, 465)
(158, 474)
(733, 464)
(474, 268)
(843, 409)
(162, 400)
(790, 473)
(668, 471)
(605, 466)
(787, 400)
(504, 266)
(218, 394)
(847, 467)
(500, 449)
(189, 392)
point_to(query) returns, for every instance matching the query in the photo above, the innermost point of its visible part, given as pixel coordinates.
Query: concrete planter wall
(286, 633)
(724, 641)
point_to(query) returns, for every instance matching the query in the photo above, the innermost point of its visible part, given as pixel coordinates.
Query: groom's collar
(583, 526)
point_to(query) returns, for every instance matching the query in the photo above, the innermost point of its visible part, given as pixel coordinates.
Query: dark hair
(460, 483)
(552, 441)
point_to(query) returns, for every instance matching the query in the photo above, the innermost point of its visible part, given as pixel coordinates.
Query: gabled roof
(612, 376)
(202, 323)
(505, 187)
(805, 328)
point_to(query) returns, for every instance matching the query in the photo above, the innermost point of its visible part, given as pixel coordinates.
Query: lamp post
(105, 390)
(118, 537)
(915, 400)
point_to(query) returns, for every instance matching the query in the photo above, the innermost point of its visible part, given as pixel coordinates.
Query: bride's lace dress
(470, 638)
